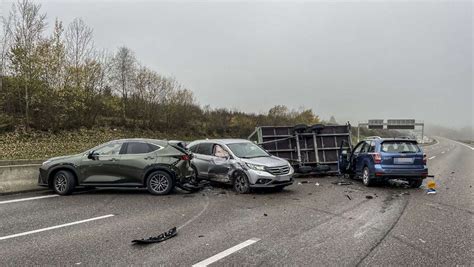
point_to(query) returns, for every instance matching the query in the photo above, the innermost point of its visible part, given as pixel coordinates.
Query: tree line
(61, 81)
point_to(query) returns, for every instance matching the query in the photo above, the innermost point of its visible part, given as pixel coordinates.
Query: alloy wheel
(241, 184)
(365, 176)
(159, 183)
(60, 183)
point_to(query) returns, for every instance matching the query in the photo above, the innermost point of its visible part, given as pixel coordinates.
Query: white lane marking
(226, 253)
(432, 157)
(442, 152)
(468, 146)
(55, 227)
(26, 199)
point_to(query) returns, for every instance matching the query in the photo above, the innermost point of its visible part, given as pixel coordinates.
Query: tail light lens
(185, 157)
(424, 158)
(377, 158)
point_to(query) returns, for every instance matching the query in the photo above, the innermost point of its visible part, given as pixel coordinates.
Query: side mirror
(92, 155)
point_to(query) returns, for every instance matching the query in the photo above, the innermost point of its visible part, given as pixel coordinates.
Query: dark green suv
(155, 164)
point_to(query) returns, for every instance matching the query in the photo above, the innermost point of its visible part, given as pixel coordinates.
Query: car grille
(280, 170)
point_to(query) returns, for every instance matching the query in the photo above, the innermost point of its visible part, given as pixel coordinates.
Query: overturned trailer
(310, 149)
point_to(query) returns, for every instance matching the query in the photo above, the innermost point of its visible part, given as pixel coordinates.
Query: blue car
(375, 160)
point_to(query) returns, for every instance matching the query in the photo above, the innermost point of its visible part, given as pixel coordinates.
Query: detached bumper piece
(162, 237)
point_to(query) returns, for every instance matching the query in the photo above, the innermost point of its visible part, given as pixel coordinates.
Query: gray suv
(241, 163)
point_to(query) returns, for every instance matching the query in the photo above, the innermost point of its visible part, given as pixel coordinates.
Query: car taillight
(377, 157)
(185, 157)
(424, 158)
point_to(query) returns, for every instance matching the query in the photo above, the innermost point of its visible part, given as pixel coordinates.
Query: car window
(358, 147)
(109, 149)
(220, 152)
(400, 147)
(194, 148)
(204, 149)
(138, 148)
(365, 148)
(371, 147)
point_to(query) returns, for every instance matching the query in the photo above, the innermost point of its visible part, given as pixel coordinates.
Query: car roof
(147, 140)
(225, 141)
(381, 140)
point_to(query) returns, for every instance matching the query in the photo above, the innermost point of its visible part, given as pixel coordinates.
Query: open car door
(344, 158)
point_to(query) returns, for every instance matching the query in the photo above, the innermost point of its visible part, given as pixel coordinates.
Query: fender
(63, 166)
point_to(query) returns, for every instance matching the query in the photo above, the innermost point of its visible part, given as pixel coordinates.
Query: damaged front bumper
(263, 179)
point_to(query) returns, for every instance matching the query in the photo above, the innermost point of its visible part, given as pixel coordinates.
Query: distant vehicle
(154, 164)
(383, 159)
(240, 163)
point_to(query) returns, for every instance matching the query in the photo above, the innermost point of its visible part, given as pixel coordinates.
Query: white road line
(55, 227)
(226, 253)
(468, 146)
(443, 152)
(26, 199)
(432, 157)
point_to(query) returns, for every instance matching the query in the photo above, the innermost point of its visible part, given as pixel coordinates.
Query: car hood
(62, 158)
(267, 161)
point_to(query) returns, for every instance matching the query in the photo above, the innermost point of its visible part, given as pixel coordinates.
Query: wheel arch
(158, 168)
(56, 169)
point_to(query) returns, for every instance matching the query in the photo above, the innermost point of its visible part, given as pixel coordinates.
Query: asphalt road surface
(314, 223)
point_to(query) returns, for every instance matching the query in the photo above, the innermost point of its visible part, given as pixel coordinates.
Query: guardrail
(19, 175)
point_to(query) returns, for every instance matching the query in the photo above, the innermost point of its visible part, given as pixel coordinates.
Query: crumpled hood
(267, 161)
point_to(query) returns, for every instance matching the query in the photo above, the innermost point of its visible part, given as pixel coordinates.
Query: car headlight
(255, 167)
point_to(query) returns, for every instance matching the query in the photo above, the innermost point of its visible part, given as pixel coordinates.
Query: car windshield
(400, 147)
(247, 150)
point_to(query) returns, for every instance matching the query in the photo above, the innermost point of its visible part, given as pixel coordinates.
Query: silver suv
(241, 163)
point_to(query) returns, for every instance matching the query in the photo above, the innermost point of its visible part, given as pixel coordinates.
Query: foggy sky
(353, 60)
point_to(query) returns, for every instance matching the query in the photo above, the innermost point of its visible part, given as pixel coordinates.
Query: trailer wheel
(300, 128)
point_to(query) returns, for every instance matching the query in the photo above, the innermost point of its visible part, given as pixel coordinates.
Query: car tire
(64, 182)
(241, 183)
(195, 178)
(415, 183)
(159, 183)
(367, 179)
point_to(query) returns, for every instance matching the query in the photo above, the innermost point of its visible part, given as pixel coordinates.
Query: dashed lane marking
(55, 227)
(226, 253)
(26, 199)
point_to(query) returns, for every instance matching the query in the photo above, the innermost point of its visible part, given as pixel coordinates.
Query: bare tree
(124, 66)
(79, 46)
(26, 27)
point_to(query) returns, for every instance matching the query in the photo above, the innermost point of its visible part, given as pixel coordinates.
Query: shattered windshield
(247, 150)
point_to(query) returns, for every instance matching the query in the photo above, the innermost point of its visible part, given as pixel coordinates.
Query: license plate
(403, 160)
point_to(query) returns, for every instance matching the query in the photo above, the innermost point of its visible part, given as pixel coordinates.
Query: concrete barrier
(19, 175)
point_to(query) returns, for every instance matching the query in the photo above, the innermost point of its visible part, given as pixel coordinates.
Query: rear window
(399, 147)
(140, 148)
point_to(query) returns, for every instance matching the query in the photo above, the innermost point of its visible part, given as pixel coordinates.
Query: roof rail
(373, 137)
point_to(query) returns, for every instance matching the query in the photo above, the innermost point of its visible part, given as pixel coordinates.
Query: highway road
(314, 223)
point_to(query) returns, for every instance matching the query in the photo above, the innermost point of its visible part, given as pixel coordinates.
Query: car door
(202, 158)
(219, 165)
(103, 168)
(361, 157)
(355, 155)
(344, 157)
(135, 157)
